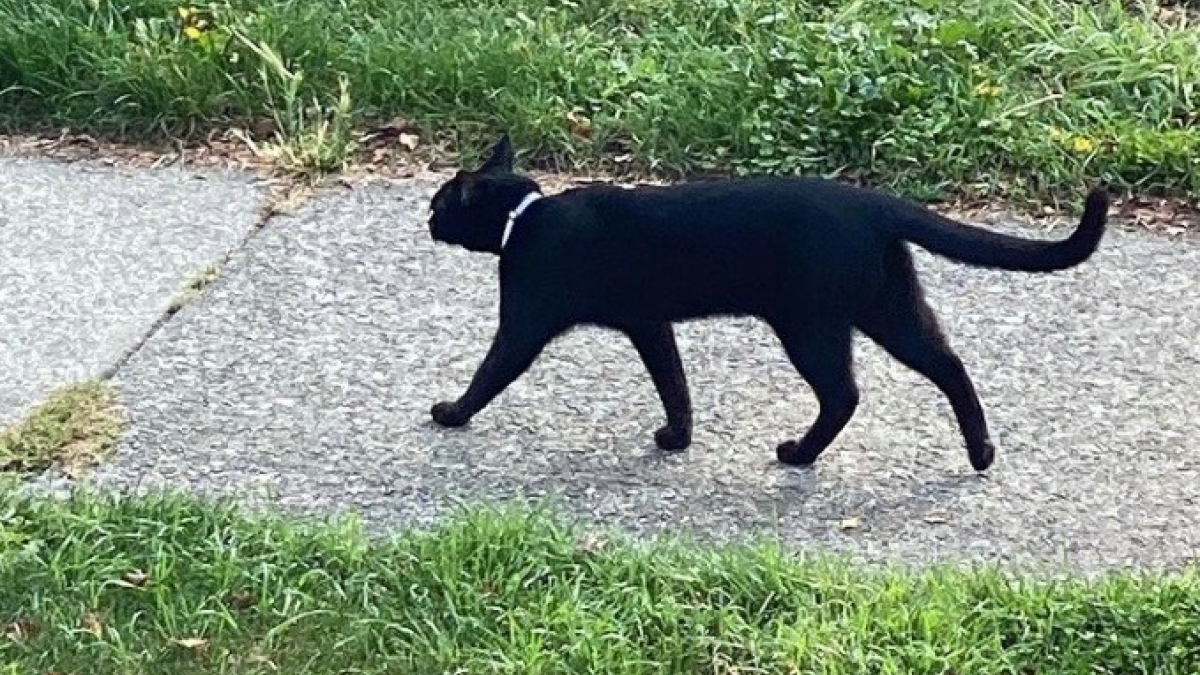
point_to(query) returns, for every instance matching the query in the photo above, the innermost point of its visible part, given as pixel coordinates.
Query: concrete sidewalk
(304, 376)
(91, 258)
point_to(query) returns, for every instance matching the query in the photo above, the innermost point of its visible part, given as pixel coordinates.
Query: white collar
(516, 213)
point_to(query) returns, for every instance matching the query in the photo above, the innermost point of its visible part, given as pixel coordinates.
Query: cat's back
(704, 247)
(725, 210)
(720, 227)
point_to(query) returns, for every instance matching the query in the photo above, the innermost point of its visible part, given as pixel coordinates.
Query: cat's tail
(983, 248)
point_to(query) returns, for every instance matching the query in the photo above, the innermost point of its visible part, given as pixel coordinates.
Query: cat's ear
(502, 157)
(466, 187)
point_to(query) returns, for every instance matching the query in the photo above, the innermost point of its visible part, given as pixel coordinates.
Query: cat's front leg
(513, 350)
(450, 414)
(655, 343)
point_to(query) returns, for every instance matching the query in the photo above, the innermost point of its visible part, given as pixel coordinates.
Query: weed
(76, 426)
(194, 288)
(925, 97)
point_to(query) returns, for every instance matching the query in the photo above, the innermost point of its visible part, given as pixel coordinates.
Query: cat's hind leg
(821, 352)
(655, 343)
(903, 323)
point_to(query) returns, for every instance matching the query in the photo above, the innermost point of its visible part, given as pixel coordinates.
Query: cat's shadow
(758, 487)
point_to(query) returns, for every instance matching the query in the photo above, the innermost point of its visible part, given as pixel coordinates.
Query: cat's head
(470, 210)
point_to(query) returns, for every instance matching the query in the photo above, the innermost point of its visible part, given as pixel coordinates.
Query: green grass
(1032, 97)
(73, 428)
(167, 585)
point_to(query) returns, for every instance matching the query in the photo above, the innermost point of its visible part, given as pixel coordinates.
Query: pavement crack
(282, 199)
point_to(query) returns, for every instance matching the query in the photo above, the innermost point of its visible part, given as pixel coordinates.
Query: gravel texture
(305, 376)
(90, 259)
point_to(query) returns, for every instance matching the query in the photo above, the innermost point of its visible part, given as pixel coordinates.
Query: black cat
(813, 258)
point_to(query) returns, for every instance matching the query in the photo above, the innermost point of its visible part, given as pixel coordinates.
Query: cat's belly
(666, 303)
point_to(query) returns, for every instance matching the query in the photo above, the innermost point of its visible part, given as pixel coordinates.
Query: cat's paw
(982, 455)
(672, 438)
(449, 414)
(793, 453)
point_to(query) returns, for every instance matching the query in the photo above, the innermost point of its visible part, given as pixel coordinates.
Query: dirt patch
(74, 428)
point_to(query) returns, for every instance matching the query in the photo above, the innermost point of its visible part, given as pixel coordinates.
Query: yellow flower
(192, 32)
(1056, 134)
(988, 90)
(1081, 144)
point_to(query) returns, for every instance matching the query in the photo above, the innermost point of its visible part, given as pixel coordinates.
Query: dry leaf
(22, 629)
(135, 578)
(241, 599)
(263, 128)
(93, 624)
(592, 543)
(397, 128)
(262, 660)
(852, 523)
(409, 141)
(579, 123)
(191, 643)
